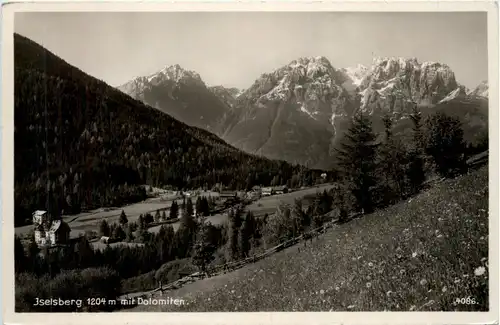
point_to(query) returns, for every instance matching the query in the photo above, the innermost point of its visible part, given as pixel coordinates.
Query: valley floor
(89, 221)
(421, 254)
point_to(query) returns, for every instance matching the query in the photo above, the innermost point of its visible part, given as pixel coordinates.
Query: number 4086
(465, 301)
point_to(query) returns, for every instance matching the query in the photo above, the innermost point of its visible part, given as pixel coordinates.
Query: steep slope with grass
(421, 254)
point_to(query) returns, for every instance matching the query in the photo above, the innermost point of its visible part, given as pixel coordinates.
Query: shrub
(170, 271)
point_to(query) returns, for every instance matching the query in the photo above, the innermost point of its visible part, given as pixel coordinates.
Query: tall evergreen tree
(204, 249)
(84, 253)
(205, 207)
(174, 210)
(118, 233)
(415, 172)
(301, 220)
(392, 165)
(157, 216)
(148, 218)
(233, 232)
(247, 231)
(123, 218)
(164, 243)
(356, 161)
(189, 206)
(445, 144)
(129, 233)
(185, 235)
(104, 229)
(198, 204)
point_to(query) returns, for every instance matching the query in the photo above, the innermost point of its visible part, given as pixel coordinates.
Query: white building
(49, 232)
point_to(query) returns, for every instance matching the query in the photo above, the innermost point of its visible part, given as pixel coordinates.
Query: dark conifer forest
(82, 144)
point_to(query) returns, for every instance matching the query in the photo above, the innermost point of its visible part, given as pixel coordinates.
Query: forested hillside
(80, 143)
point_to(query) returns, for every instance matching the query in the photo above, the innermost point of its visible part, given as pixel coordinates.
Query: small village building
(280, 189)
(50, 232)
(105, 239)
(266, 191)
(40, 216)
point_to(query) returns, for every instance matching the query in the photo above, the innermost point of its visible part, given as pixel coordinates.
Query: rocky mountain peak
(395, 84)
(176, 74)
(306, 78)
(481, 90)
(384, 68)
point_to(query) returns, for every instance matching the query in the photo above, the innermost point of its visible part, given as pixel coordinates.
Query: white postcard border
(7, 176)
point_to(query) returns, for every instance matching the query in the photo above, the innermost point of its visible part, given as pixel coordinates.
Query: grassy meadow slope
(421, 254)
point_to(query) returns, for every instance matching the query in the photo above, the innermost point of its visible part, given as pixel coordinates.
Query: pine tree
(415, 172)
(342, 199)
(392, 163)
(104, 229)
(203, 252)
(233, 233)
(246, 232)
(84, 252)
(119, 234)
(163, 216)
(198, 204)
(174, 210)
(445, 144)
(189, 207)
(186, 234)
(123, 218)
(130, 233)
(157, 216)
(356, 161)
(204, 207)
(148, 218)
(142, 223)
(301, 220)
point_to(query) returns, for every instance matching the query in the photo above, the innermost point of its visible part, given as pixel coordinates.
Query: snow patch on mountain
(305, 110)
(357, 74)
(457, 93)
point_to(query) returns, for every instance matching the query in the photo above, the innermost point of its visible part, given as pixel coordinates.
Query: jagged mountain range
(299, 111)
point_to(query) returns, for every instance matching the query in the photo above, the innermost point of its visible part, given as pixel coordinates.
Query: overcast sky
(233, 49)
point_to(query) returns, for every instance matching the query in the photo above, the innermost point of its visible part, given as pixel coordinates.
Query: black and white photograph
(251, 161)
